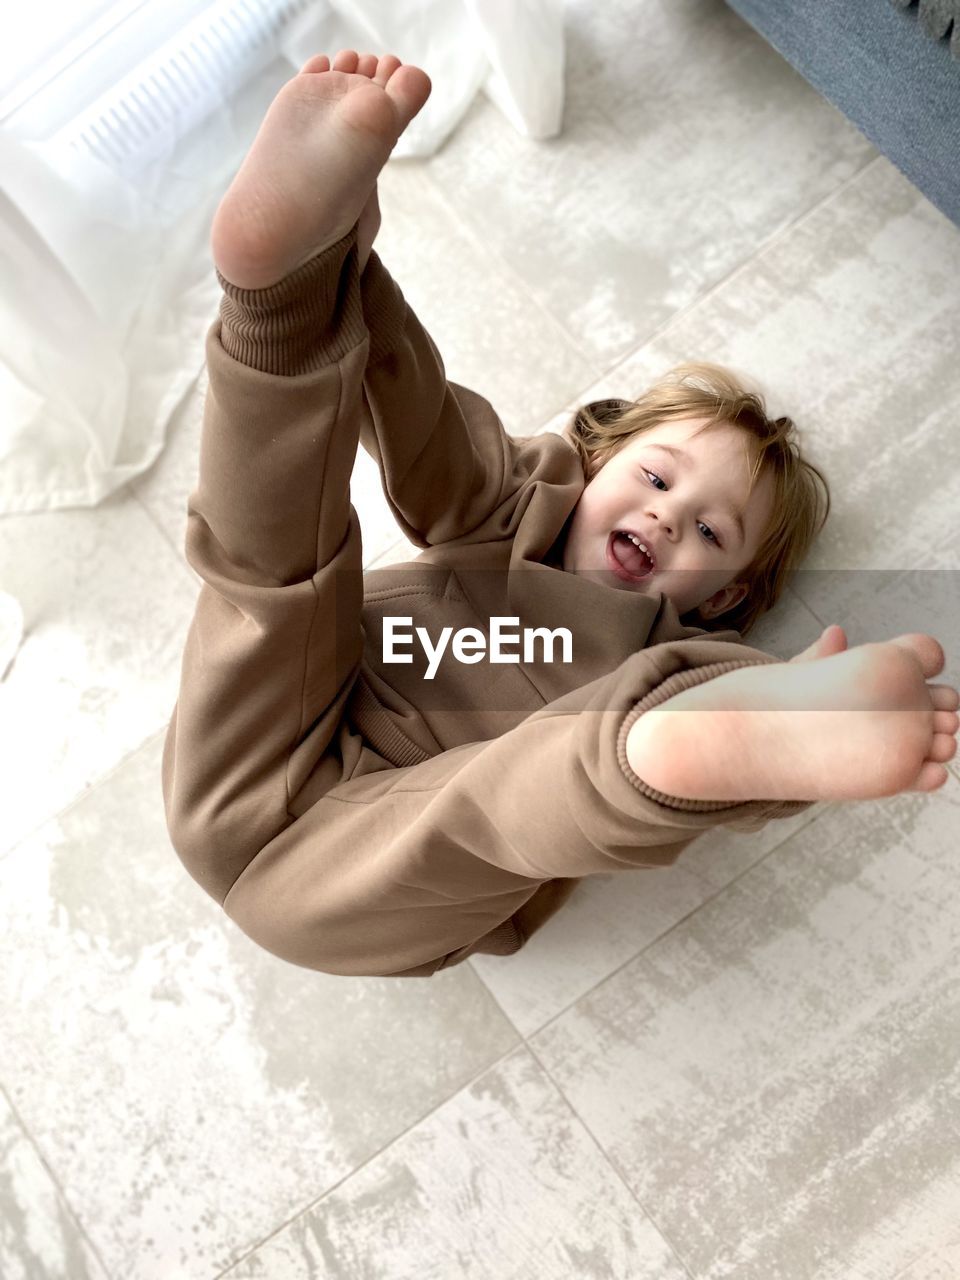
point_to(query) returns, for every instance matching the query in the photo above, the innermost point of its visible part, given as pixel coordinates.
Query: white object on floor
(108, 287)
(512, 49)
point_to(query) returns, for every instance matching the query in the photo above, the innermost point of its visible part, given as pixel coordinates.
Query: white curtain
(111, 172)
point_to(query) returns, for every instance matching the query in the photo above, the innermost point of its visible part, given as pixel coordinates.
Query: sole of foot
(312, 168)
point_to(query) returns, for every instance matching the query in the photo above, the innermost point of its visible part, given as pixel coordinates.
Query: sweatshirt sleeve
(421, 862)
(450, 471)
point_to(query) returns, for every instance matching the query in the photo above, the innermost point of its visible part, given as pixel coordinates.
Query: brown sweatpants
(323, 850)
(260, 735)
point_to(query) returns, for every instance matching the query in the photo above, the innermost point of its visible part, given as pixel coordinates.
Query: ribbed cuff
(673, 685)
(309, 319)
(379, 730)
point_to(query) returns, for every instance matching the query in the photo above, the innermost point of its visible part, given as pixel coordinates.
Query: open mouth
(626, 559)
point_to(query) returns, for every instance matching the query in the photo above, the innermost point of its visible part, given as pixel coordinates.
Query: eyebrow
(735, 515)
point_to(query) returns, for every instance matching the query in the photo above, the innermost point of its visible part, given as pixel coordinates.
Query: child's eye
(713, 537)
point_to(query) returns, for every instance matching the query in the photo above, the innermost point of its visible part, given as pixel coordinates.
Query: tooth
(637, 543)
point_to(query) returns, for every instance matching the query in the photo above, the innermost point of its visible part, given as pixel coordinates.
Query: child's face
(679, 507)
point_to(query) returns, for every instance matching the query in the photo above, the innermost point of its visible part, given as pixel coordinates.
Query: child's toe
(319, 62)
(346, 60)
(409, 88)
(387, 65)
(367, 65)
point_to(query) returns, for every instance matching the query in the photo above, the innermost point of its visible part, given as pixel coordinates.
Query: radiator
(129, 87)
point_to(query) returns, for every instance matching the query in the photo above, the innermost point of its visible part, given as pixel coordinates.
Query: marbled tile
(941, 1262)
(687, 143)
(106, 608)
(39, 1236)
(501, 1183)
(878, 604)
(777, 1079)
(165, 488)
(492, 336)
(787, 629)
(189, 1091)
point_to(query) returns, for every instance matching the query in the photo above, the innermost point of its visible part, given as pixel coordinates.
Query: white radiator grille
(139, 113)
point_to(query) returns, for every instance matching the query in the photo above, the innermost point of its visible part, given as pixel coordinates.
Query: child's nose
(664, 523)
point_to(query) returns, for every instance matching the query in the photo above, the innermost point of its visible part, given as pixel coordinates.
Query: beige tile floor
(745, 1066)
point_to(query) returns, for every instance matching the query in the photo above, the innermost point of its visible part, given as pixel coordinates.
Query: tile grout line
(657, 332)
(763, 248)
(97, 782)
(608, 1157)
(178, 551)
(612, 1164)
(58, 1186)
(677, 923)
(414, 1124)
(85, 794)
(485, 249)
(606, 370)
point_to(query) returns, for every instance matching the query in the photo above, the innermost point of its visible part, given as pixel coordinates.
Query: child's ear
(727, 597)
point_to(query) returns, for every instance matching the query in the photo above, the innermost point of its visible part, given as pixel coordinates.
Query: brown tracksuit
(350, 815)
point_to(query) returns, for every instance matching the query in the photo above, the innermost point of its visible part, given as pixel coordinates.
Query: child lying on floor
(360, 808)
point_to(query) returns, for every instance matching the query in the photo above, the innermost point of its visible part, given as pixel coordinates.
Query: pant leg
(257, 736)
(275, 641)
(298, 373)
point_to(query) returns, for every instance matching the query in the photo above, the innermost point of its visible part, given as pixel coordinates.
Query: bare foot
(368, 64)
(313, 166)
(857, 725)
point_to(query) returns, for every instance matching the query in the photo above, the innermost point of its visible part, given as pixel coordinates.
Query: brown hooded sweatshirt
(350, 814)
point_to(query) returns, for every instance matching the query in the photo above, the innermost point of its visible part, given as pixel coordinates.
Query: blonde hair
(801, 496)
